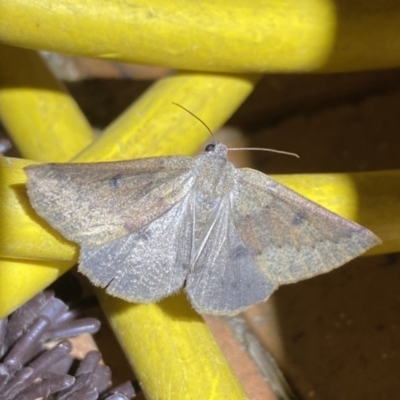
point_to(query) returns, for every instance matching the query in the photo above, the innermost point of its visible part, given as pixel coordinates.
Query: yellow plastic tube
(211, 35)
(23, 234)
(33, 101)
(40, 115)
(172, 350)
(46, 124)
(154, 126)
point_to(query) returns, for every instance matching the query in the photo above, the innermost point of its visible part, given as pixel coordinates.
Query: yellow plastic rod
(24, 235)
(224, 36)
(171, 350)
(46, 124)
(43, 120)
(211, 35)
(15, 276)
(154, 126)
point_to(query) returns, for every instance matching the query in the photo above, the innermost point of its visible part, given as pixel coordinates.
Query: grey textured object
(147, 227)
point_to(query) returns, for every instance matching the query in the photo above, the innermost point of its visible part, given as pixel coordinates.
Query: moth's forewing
(223, 278)
(290, 237)
(148, 264)
(93, 204)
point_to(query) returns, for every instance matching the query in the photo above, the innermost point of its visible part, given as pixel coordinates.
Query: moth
(229, 236)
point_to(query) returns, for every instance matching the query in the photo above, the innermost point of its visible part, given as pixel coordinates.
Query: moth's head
(216, 149)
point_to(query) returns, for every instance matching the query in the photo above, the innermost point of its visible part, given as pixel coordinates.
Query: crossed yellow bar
(168, 344)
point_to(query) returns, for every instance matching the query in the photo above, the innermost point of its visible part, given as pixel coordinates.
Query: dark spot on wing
(299, 218)
(115, 181)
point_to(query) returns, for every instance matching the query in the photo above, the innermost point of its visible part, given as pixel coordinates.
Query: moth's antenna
(241, 148)
(198, 119)
(270, 150)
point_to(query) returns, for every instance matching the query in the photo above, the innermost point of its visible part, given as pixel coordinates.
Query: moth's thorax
(214, 180)
(214, 174)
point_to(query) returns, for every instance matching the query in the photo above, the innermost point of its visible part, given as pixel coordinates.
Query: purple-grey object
(24, 316)
(3, 331)
(25, 344)
(89, 363)
(28, 370)
(46, 387)
(125, 389)
(74, 328)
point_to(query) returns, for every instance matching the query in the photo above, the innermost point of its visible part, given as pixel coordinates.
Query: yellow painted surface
(23, 234)
(153, 126)
(43, 120)
(46, 124)
(173, 351)
(16, 276)
(213, 35)
(209, 35)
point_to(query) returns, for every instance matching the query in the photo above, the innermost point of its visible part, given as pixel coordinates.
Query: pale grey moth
(230, 236)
